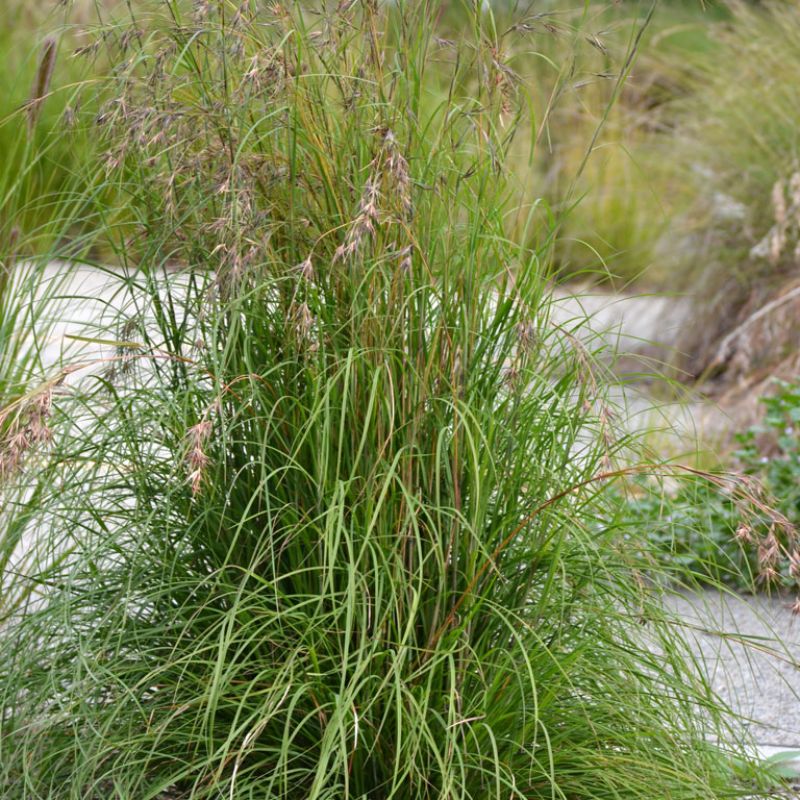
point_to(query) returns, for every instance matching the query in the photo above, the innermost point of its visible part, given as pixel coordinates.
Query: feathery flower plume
(364, 223)
(397, 168)
(388, 166)
(306, 270)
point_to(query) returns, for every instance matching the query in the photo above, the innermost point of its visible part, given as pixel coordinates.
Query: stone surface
(749, 647)
(626, 321)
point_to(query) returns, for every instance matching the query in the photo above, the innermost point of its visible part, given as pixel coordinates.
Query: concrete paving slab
(749, 647)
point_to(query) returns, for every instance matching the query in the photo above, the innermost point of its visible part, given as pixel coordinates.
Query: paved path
(626, 321)
(642, 330)
(82, 302)
(750, 649)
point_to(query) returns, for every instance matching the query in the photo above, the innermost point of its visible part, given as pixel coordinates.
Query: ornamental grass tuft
(326, 516)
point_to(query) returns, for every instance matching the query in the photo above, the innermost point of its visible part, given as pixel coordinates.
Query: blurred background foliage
(689, 183)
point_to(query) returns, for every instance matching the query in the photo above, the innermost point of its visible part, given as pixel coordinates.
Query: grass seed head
(41, 85)
(768, 551)
(197, 459)
(306, 270)
(22, 427)
(744, 534)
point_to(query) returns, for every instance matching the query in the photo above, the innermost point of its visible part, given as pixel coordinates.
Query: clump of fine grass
(329, 518)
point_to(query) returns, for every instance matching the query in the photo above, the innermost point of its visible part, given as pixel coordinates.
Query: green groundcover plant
(327, 516)
(700, 523)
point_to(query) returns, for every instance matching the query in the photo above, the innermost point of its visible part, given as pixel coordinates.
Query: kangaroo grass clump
(327, 516)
